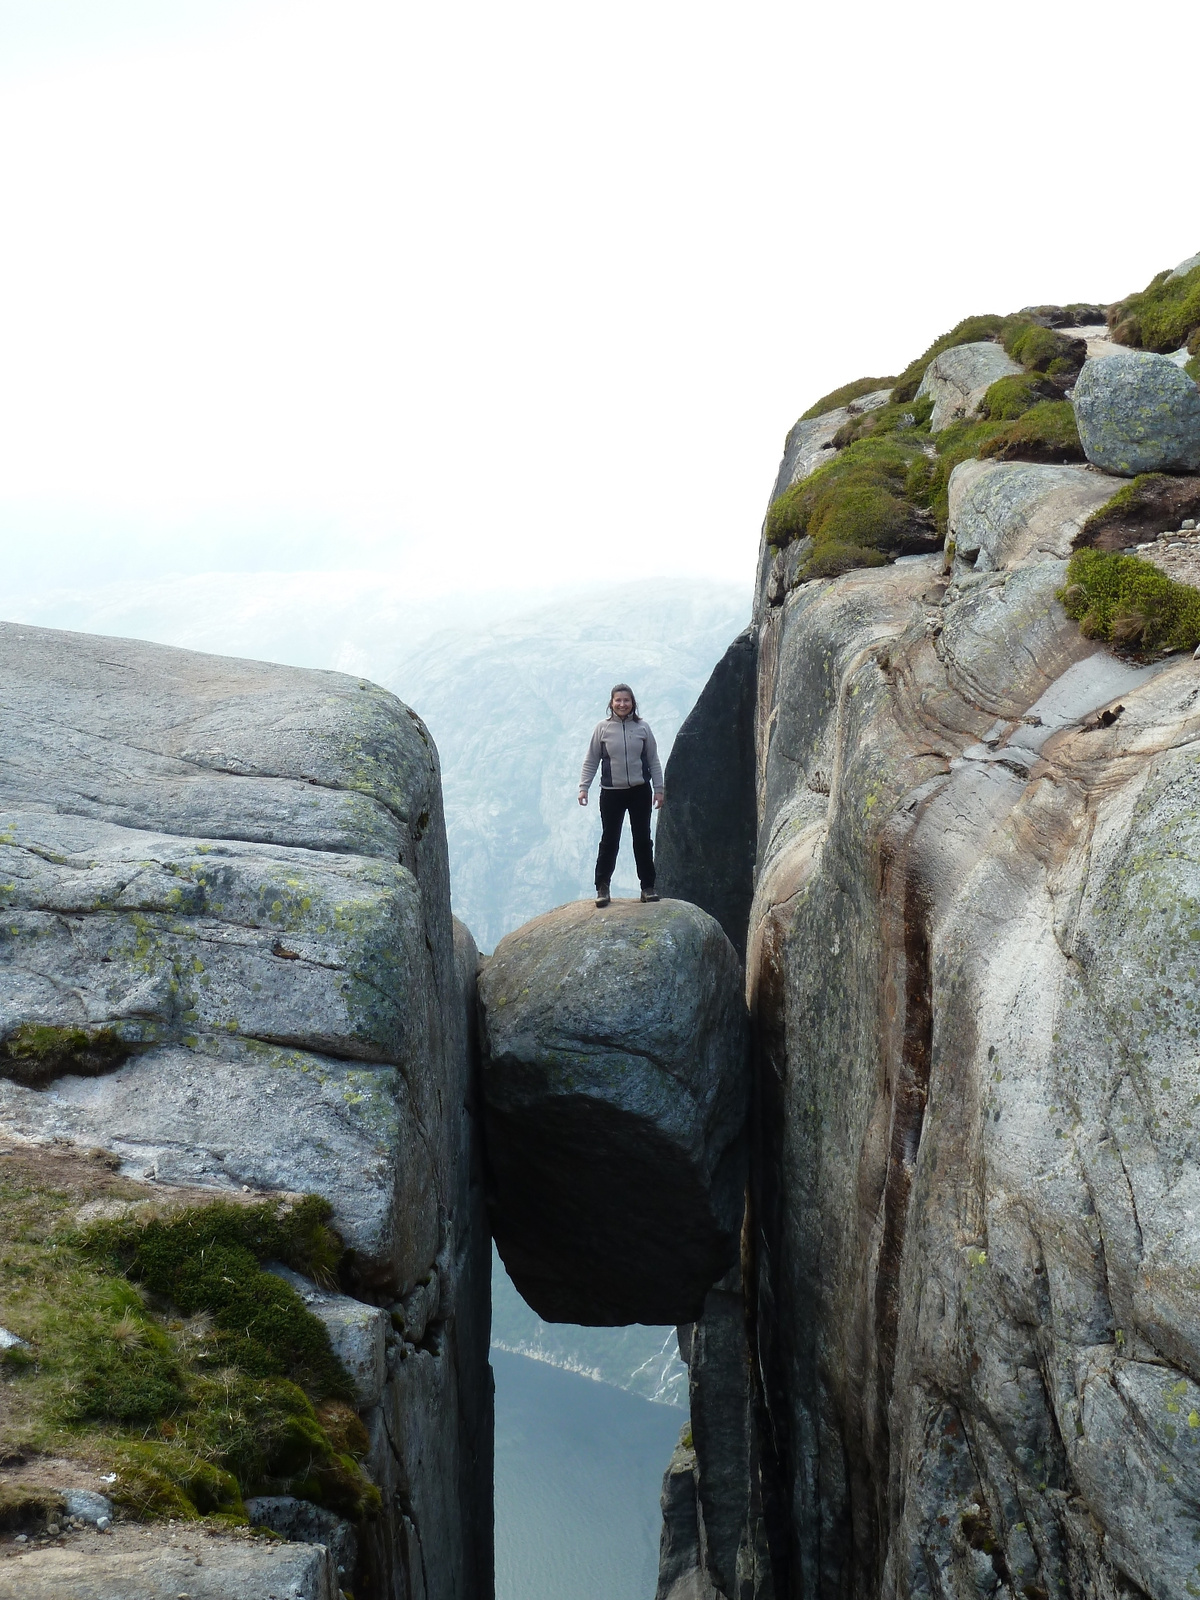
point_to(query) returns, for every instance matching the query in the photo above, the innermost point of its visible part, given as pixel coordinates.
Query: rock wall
(971, 1258)
(227, 956)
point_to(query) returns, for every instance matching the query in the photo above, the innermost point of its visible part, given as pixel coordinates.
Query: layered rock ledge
(615, 1083)
(227, 957)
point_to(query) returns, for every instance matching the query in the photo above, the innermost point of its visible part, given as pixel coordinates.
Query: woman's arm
(655, 765)
(590, 762)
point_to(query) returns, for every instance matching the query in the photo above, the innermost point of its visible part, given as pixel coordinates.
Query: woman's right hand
(583, 797)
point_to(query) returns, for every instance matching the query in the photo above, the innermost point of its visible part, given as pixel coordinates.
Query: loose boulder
(615, 1084)
(1138, 412)
(958, 379)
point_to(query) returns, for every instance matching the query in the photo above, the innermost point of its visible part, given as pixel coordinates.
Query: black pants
(614, 803)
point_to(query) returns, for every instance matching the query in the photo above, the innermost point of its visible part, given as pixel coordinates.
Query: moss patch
(1130, 603)
(36, 1054)
(1162, 317)
(844, 395)
(855, 509)
(1042, 349)
(160, 1350)
(1147, 505)
(1010, 398)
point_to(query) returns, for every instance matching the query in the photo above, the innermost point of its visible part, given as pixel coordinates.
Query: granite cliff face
(971, 1354)
(227, 958)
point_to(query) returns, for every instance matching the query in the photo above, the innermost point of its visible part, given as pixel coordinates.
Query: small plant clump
(1164, 316)
(1129, 603)
(156, 1346)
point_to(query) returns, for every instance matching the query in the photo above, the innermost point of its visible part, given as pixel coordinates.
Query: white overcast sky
(483, 294)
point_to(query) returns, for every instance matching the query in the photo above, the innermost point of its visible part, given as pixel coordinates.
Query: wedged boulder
(958, 379)
(1138, 412)
(1006, 514)
(615, 1085)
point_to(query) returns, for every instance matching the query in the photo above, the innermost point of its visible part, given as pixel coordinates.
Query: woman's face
(622, 703)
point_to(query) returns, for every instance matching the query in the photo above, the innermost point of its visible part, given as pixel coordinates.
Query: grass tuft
(160, 1349)
(1164, 316)
(1129, 603)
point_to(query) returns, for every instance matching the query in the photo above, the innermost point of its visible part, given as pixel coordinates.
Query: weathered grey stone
(88, 1506)
(232, 1112)
(10, 1341)
(1138, 412)
(356, 1332)
(704, 847)
(305, 1523)
(615, 1082)
(969, 973)
(1184, 267)
(958, 379)
(225, 884)
(157, 1564)
(1005, 514)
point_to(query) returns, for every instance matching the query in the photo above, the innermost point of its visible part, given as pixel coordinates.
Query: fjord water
(579, 1468)
(586, 1420)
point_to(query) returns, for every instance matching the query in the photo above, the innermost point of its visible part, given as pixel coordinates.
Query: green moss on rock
(160, 1349)
(1010, 398)
(1164, 316)
(854, 509)
(844, 395)
(36, 1053)
(1130, 603)
(206, 1259)
(1046, 432)
(894, 418)
(1042, 349)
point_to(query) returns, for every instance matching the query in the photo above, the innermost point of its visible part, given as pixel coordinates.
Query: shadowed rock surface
(615, 1081)
(704, 845)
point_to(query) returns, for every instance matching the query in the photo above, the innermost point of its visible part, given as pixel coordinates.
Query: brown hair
(617, 689)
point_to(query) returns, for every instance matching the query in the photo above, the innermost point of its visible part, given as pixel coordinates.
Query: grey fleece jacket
(625, 751)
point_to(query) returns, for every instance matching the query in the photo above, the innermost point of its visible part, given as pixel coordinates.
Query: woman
(624, 749)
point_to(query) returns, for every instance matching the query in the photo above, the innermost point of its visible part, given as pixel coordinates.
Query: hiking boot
(647, 895)
(603, 897)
